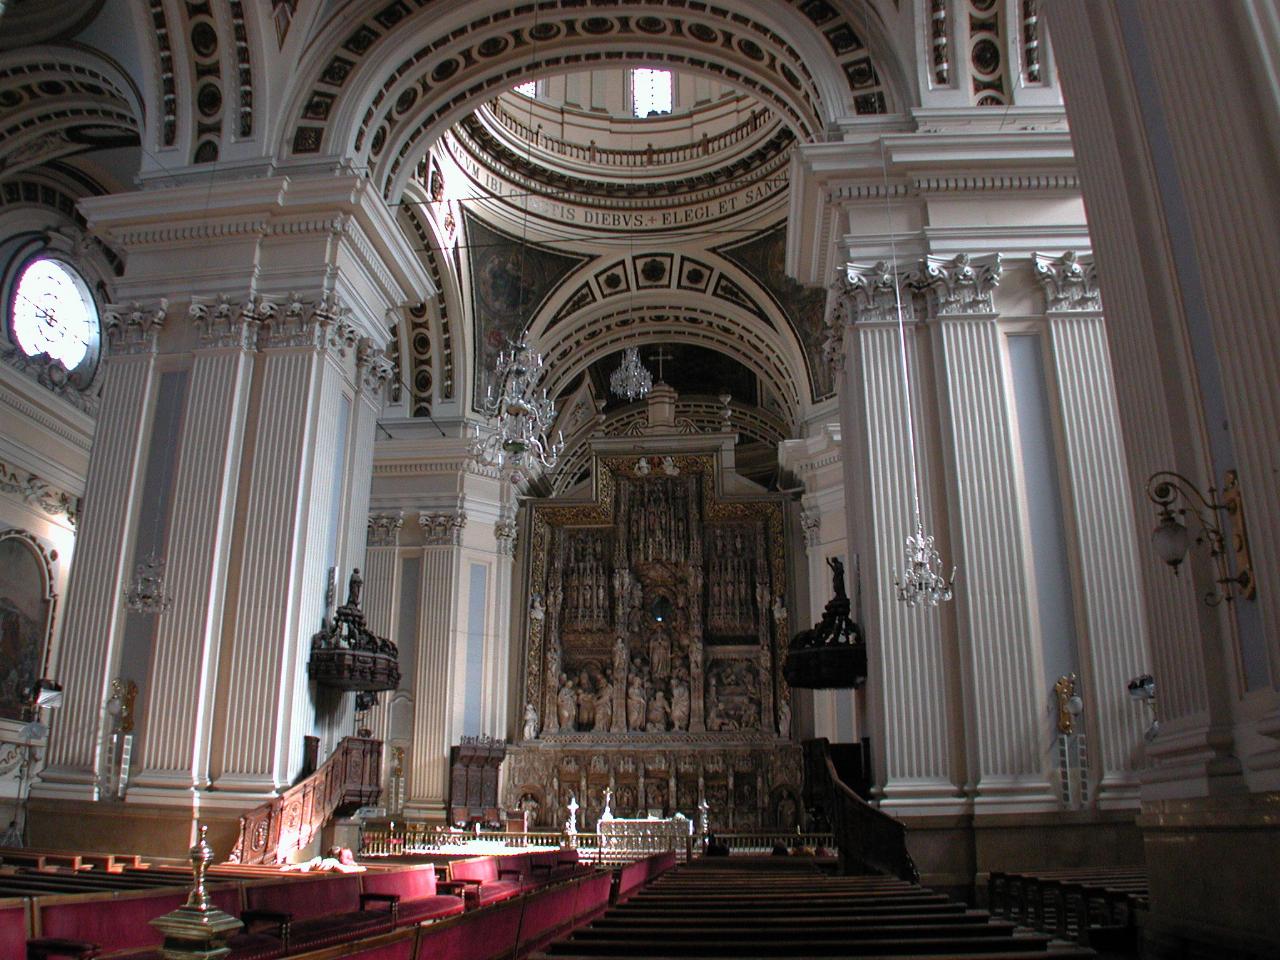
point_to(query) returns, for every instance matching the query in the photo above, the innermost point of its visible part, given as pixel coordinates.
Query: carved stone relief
(654, 650)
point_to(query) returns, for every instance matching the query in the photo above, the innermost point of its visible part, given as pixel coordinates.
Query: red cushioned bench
(308, 914)
(410, 895)
(486, 880)
(516, 925)
(117, 926)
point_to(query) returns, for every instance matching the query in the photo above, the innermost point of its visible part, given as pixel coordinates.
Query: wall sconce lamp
(1176, 496)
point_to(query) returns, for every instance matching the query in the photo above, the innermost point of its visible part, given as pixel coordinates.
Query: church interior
(553, 416)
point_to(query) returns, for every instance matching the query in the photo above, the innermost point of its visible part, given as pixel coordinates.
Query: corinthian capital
(132, 328)
(1070, 283)
(442, 529)
(223, 322)
(373, 368)
(961, 284)
(875, 292)
(384, 528)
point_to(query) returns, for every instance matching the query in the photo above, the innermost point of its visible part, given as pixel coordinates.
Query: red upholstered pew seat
(488, 880)
(314, 913)
(118, 924)
(410, 895)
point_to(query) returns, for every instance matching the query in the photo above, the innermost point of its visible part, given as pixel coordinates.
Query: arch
(602, 331)
(388, 100)
(59, 101)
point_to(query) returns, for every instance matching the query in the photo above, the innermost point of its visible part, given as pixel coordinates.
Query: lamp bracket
(1176, 495)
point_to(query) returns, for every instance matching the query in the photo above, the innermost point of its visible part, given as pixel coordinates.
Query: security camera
(1143, 687)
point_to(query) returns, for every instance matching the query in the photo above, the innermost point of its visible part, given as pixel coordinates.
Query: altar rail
(410, 839)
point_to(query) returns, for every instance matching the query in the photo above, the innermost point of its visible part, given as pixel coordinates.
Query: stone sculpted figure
(784, 718)
(658, 712)
(586, 703)
(635, 702)
(660, 654)
(530, 721)
(566, 703)
(604, 703)
(679, 701)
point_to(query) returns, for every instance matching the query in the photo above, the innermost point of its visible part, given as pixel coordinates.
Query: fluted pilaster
(1115, 636)
(95, 607)
(993, 600)
(188, 637)
(908, 683)
(433, 686)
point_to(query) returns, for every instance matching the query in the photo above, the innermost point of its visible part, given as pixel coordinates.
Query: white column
(188, 637)
(993, 588)
(428, 786)
(1143, 263)
(95, 606)
(908, 688)
(1114, 645)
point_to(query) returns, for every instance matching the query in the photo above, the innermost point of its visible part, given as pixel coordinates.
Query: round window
(53, 313)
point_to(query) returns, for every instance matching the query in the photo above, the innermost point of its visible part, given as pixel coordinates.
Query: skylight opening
(651, 92)
(529, 88)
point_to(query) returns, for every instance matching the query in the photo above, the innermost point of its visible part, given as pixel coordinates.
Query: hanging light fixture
(522, 417)
(921, 580)
(632, 379)
(146, 593)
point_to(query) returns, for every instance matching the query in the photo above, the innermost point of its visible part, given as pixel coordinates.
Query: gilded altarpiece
(653, 662)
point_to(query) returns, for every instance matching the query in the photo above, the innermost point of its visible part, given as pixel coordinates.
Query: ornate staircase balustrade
(869, 840)
(346, 781)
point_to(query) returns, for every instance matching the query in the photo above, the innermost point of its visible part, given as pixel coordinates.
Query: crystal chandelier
(146, 593)
(523, 417)
(922, 580)
(632, 379)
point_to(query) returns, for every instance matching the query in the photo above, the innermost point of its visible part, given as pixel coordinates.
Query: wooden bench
(1094, 906)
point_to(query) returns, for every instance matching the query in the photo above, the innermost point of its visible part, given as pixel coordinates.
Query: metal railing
(646, 156)
(410, 839)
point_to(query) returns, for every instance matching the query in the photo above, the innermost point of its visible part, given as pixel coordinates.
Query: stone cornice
(265, 207)
(75, 426)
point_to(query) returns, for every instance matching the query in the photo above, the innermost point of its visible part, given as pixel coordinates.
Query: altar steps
(752, 910)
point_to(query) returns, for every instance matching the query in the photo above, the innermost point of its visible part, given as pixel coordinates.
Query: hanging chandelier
(146, 593)
(522, 416)
(922, 580)
(632, 379)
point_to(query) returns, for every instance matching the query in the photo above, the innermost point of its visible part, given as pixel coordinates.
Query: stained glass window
(53, 313)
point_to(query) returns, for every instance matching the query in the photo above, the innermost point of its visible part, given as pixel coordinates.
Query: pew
(409, 894)
(486, 880)
(313, 912)
(117, 925)
(1094, 906)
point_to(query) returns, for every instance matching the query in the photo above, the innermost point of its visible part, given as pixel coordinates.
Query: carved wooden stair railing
(868, 839)
(346, 781)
